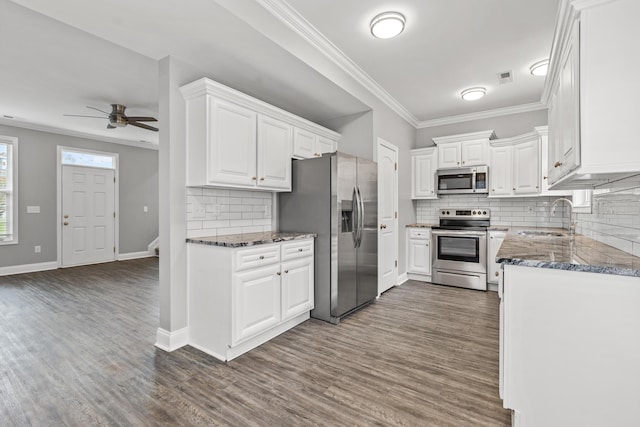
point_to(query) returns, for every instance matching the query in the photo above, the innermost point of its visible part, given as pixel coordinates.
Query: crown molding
(542, 130)
(586, 4)
(78, 134)
(523, 108)
(471, 136)
(288, 15)
(515, 140)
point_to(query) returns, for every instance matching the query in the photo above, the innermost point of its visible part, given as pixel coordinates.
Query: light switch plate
(33, 209)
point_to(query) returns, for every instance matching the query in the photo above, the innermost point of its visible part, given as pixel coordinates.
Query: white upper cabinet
(234, 140)
(543, 140)
(590, 91)
(232, 148)
(307, 145)
(515, 166)
(424, 163)
(470, 149)
(274, 154)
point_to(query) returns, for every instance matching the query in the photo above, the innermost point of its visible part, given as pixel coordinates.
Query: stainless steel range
(460, 248)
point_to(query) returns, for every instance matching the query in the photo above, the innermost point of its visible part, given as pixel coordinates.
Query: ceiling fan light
(540, 68)
(387, 25)
(473, 93)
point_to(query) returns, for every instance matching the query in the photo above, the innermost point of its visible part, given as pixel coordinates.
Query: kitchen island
(569, 330)
(245, 289)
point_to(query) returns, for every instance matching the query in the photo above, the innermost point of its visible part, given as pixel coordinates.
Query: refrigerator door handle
(360, 217)
(355, 210)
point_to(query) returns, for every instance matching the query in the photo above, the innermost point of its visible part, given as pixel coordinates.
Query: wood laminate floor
(76, 348)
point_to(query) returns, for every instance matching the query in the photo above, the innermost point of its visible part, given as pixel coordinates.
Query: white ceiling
(71, 54)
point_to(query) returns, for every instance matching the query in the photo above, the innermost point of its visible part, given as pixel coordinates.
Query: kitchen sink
(540, 233)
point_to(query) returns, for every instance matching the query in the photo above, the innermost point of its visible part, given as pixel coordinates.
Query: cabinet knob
(557, 164)
(254, 178)
(463, 162)
(544, 177)
(493, 189)
(66, 216)
(537, 187)
(66, 223)
(300, 250)
(278, 273)
(261, 256)
(458, 162)
(514, 189)
(497, 273)
(316, 154)
(262, 179)
(286, 271)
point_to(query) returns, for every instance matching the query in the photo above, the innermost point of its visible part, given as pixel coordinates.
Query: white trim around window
(10, 190)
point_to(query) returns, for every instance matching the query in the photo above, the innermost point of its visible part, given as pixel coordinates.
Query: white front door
(88, 215)
(388, 214)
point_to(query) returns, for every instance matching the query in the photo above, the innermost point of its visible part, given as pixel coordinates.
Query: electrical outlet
(145, 209)
(199, 210)
(37, 249)
(33, 209)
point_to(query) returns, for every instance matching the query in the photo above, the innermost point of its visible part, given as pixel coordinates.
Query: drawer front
(257, 256)
(420, 233)
(297, 249)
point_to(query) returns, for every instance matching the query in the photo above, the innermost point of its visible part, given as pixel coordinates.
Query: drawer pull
(261, 256)
(300, 250)
(286, 271)
(278, 273)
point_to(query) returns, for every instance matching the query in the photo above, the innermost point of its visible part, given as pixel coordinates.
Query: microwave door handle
(473, 180)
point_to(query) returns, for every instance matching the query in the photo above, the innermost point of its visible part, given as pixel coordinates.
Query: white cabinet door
(423, 176)
(256, 302)
(501, 170)
(495, 241)
(526, 168)
(449, 155)
(419, 256)
(232, 145)
(297, 287)
(274, 154)
(324, 145)
(474, 153)
(304, 144)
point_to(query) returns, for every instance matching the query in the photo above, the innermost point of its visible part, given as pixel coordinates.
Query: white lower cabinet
(494, 242)
(240, 298)
(419, 253)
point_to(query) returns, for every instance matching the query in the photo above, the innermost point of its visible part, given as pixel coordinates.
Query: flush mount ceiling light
(473, 93)
(540, 68)
(387, 25)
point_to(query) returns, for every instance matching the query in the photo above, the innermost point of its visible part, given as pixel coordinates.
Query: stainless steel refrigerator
(336, 196)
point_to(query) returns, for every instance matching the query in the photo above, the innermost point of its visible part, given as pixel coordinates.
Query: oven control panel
(477, 213)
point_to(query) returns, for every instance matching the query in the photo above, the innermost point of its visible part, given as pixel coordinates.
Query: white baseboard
(170, 341)
(134, 255)
(419, 277)
(153, 245)
(492, 287)
(28, 268)
(402, 278)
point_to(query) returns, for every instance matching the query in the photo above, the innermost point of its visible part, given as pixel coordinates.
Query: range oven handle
(459, 233)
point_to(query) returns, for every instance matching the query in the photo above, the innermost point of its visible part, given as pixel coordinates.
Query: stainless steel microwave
(473, 180)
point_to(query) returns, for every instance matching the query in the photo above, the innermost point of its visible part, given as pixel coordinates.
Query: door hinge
(396, 263)
(114, 214)
(395, 166)
(114, 179)
(396, 214)
(114, 249)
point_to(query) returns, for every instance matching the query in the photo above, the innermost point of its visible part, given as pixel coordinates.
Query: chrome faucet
(572, 223)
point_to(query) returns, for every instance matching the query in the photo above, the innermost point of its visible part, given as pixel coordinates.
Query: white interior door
(88, 215)
(388, 216)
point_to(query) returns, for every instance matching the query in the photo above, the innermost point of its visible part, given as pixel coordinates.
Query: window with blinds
(8, 196)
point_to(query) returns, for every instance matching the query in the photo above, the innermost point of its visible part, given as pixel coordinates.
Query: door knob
(66, 223)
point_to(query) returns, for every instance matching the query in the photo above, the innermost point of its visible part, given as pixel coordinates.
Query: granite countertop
(565, 252)
(422, 225)
(250, 239)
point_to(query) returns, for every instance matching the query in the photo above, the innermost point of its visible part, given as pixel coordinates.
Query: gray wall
(357, 134)
(138, 187)
(504, 126)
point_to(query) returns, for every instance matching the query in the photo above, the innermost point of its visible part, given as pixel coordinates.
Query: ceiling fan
(117, 118)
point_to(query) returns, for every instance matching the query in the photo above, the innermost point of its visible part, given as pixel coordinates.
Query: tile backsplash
(512, 212)
(614, 219)
(217, 212)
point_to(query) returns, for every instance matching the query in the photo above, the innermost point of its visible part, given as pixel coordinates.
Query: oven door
(460, 250)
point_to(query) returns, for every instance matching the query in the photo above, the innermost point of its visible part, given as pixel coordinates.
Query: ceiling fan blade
(78, 115)
(97, 109)
(141, 119)
(110, 126)
(143, 126)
